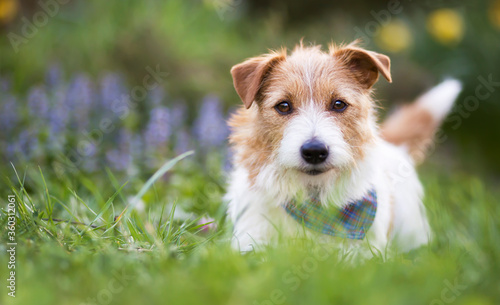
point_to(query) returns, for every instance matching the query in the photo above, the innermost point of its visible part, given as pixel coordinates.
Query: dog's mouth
(315, 171)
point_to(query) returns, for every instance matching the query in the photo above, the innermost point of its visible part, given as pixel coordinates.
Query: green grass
(150, 256)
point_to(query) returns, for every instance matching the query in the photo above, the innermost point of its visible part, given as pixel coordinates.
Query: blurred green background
(197, 42)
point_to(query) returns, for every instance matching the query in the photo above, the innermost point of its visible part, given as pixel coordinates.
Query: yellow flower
(446, 26)
(494, 13)
(394, 36)
(8, 10)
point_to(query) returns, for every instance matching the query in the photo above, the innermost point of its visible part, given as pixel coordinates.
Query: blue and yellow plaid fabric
(352, 221)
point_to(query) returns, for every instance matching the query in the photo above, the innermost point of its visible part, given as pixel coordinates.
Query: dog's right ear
(248, 76)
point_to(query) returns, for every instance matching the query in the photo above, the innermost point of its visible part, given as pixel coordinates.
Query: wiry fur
(268, 169)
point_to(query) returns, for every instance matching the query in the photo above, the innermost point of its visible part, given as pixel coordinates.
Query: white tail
(414, 125)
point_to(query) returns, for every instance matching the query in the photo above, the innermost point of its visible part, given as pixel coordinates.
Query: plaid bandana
(352, 221)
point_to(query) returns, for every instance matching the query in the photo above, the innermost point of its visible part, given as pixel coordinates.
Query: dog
(310, 159)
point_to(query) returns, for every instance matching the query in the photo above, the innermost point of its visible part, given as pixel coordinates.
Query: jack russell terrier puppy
(309, 157)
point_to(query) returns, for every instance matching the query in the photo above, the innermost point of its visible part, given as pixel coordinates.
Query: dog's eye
(338, 106)
(284, 107)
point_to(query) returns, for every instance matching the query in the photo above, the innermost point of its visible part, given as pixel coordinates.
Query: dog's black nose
(314, 152)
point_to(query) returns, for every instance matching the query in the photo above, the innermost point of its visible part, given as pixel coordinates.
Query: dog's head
(310, 111)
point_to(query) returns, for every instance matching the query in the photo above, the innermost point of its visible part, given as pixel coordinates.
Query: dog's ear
(248, 75)
(365, 65)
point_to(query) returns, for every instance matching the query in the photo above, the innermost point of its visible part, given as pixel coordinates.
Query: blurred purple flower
(182, 141)
(112, 88)
(120, 157)
(89, 155)
(210, 127)
(79, 93)
(118, 160)
(26, 145)
(79, 99)
(10, 150)
(157, 96)
(158, 129)
(58, 117)
(77, 105)
(38, 103)
(136, 153)
(136, 145)
(59, 113)
(179, 113)
(9, 115)
(5, 84)
(53, 77)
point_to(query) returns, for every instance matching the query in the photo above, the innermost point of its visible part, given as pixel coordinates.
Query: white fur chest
(259, 218)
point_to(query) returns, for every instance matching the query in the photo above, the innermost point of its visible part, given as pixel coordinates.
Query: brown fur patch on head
(307, 76)
(249, 75)
(365, 65)
(253, 145)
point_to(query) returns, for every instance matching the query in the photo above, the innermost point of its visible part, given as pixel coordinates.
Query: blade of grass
(158, 228)
(115, 183)
(48, 204)
(23, 190)
(166, 167)
(94, 190)
(105, 207)
(81, 201)
(170, 220)
(66, 208)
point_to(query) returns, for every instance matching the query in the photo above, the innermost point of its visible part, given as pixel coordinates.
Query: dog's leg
(250, 212)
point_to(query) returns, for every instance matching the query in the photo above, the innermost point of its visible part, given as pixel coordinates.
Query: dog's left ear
(248, 75)
(365, 65)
